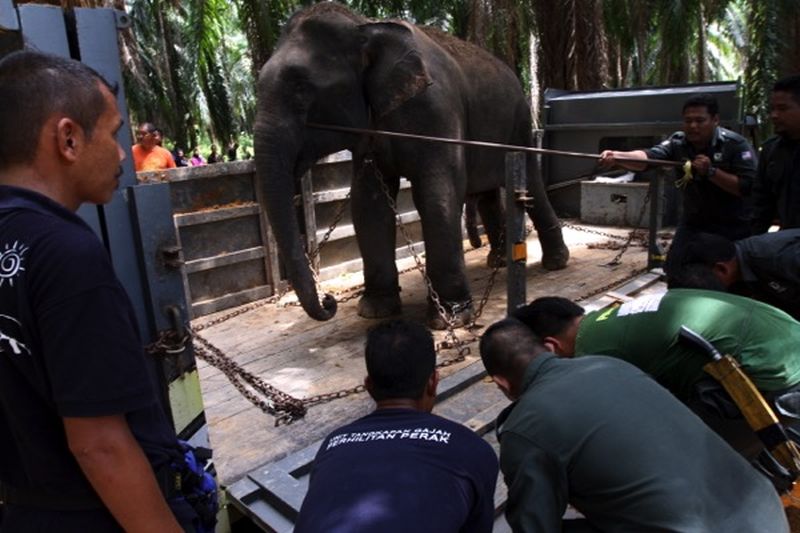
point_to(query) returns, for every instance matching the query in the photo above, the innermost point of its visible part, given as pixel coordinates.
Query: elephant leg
(471, 222)
(438, 202)
(491, 210)
(375, 226)
(555, 253)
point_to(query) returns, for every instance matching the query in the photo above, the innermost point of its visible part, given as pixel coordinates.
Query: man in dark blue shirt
(723, 168)
(83, 438)
(401, 468)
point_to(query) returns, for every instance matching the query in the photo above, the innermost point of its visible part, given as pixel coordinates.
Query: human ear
(69, 139)
(553, 345)
(433, 383)
(504, 385)
(725, 272)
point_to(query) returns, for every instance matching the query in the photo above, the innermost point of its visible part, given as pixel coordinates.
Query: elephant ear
(394, 69)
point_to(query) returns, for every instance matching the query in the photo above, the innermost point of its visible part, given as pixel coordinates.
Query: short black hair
(695, 276)
(704, 249)
(789, 84)
(149, 127)
(702, 100)
(507, 347)
(400, 358)
(548, 316)
(33, 87)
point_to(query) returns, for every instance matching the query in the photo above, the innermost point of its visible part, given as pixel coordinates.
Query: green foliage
(192, 66)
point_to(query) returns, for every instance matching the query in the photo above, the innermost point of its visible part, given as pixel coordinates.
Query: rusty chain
(618, 258)
(286, 408)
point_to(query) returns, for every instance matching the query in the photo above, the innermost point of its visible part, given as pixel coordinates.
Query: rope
(484, 144)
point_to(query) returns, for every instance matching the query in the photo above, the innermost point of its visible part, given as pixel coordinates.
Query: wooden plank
(356, 265)
(199, 173)
(628, 290)
(207, 307)
(271, 266)
(348, 230)
(183, 220)
(208, 263)
(335, 195)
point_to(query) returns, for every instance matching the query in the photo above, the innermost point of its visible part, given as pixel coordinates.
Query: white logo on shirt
(11, 327)
(11, 260)
(643, 304)
(431, 435)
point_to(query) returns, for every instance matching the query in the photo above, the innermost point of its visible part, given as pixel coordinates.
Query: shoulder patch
(747, 155)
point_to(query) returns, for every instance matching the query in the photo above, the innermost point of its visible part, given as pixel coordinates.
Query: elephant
(333, 66)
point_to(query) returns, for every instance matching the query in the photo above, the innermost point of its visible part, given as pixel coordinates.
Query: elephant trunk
(276, 152)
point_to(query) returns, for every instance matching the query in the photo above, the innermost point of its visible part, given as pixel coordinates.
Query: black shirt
(69, 347)
(776, 189)
(400, 470)
(707, 207)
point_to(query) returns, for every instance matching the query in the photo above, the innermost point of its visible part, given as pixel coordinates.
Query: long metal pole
(484, 144)
(516, 246)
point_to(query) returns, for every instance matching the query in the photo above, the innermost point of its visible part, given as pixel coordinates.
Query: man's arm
(773, 256)
(120, 473)
(537, 486)
(609, 158)
(727, 181)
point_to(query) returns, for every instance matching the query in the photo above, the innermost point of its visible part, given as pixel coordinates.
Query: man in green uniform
(644, 332)
(597, 433)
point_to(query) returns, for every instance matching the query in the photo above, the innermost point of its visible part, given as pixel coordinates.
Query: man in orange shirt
(147, 155)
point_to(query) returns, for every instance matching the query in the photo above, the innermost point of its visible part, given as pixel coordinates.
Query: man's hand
(120, 473)
(610, 158)
(607, 159)
(701, 165)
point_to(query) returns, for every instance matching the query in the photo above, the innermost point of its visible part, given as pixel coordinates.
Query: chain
(451, 340)
(285, 408)
(489, 286)
(608, 286)
(168, 343)
(618, 258)
(336, 219)
(584, 229)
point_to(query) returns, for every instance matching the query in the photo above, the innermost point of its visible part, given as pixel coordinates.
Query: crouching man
(401, 468)
(598, 433)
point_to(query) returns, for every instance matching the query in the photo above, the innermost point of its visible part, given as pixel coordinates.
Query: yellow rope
(687, 175)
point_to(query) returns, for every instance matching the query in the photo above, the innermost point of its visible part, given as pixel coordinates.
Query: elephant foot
(475, 239)
(496, 259)
(556, 259)
(461, 317)
(379, 306)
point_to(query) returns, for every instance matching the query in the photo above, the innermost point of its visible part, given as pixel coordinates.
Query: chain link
(286, 408)
(618, 258)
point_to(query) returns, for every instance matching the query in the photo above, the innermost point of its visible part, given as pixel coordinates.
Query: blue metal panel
(8, 16)
(96, 31)
(44, 29)
(153, 214)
